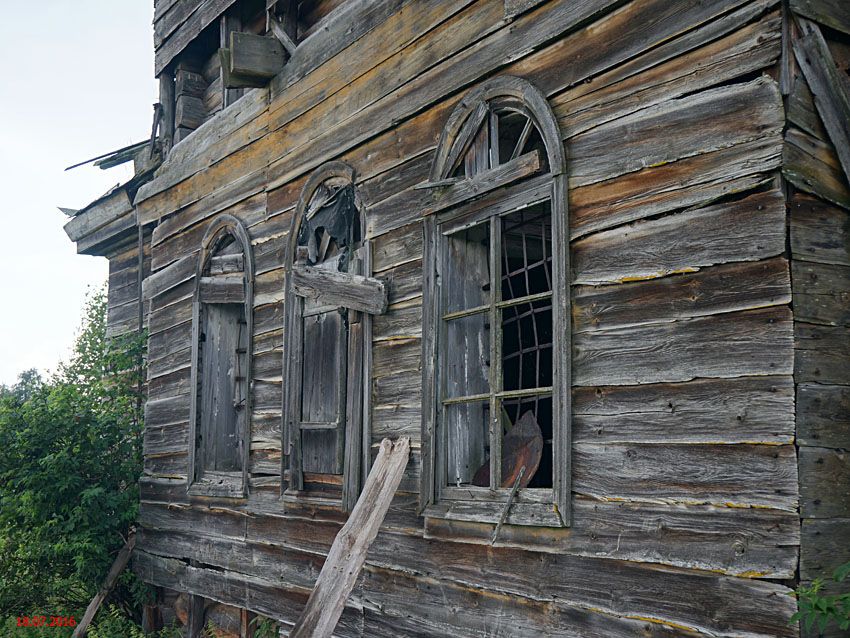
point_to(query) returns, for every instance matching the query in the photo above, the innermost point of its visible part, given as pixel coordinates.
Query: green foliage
(68, 475)
(264, 627)
(815, 608)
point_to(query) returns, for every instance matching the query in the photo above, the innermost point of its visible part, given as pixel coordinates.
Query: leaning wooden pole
(108, 583)
(348, 552)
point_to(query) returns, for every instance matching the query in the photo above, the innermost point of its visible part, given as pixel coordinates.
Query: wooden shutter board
(327, 287)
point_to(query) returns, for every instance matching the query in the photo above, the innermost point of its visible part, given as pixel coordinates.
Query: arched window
(496, 323)
(222, 328)
(329, 303)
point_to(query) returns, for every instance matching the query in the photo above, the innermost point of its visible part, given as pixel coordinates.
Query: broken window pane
(523, 421)
(527, 345)
(527, 252)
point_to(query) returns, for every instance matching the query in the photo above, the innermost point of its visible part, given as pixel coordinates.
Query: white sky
(77, 82)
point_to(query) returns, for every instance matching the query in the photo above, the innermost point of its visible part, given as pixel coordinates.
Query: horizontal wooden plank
(689, 182)
(821, 354)
(222, 289)
(686, 64)
(755, 342)
(717, 474)
(167, 411)
(823, 415)
(748, 229)
(824, 477)
(326, 287)
(716, 538)
(166, 439)
(713, 290)
(397, 247)
(108, 209)
(821, 293)
(819, 231)
(174, 274)
(693, 125)
(739, 410)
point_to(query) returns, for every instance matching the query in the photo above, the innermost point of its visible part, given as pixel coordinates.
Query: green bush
(813, 607)
(69, 469)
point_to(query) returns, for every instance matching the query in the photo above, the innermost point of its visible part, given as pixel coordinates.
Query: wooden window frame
(226, 484)
(355, 399)
(536, 507)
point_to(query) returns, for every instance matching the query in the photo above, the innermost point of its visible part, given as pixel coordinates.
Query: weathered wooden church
(591, 258)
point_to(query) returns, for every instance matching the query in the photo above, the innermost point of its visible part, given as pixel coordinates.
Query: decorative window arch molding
(501, 167)
(329, 304)
(222, 343)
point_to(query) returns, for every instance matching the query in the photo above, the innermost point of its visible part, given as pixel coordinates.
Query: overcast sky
(77, 82)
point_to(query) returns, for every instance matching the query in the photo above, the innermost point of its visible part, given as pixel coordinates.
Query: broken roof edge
(106, 223)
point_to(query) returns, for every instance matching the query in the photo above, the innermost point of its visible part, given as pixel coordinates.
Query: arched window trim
(356, 440)
(456, 138)
(236, 484)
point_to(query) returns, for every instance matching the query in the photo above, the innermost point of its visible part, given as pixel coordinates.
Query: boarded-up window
(329, 303)
(221, 361)
(496, 388)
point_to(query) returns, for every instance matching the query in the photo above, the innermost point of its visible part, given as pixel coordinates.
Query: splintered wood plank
(325, 287)
(348, 552)
(832, 13)
(830, 89)
(812, 166)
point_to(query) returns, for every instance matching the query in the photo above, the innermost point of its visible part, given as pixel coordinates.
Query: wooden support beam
(255, 56)
(190, 112)
(832, 13)
(348, 552)
(830, 90)
(332, 288)
(234, 80)
(108, 583)
(279, 29)
(166, 99)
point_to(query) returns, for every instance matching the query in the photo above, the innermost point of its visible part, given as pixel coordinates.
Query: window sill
(520, 514)
(225, 484)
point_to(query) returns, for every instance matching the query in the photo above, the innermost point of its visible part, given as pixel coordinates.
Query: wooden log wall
(685, 474)
(123, 296)
(819, 233)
